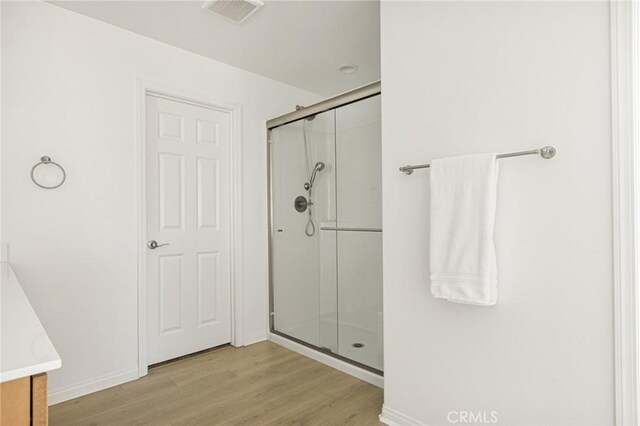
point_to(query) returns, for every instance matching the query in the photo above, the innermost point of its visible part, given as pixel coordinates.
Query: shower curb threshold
(345, 367)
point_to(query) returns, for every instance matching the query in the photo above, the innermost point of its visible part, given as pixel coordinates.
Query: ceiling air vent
(232, 10)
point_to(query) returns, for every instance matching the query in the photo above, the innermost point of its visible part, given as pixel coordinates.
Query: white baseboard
(391, 417)
(345, 367)
(256, 338)
(90, 386)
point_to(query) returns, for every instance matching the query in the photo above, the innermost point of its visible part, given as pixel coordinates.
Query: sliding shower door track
(350, 97)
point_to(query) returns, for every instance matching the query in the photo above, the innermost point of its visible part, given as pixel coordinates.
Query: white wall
(474, 77)
(3, 253)
(69, 92)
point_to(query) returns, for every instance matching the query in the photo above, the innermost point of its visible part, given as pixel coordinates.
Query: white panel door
(188, 187)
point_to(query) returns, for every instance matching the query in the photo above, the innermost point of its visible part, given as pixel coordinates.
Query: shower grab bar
(547, 152)
(332, 228)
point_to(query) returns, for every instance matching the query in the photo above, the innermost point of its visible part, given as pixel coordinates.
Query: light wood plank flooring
(261, 384)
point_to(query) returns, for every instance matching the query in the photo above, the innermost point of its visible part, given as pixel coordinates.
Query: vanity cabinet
(23, 401)
(26, 355)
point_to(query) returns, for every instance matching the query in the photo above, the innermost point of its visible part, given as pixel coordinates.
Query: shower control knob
(307, 186)
(153, 244)
(300, 203)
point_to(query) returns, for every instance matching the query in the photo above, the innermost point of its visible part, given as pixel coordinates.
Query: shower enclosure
(325, 231)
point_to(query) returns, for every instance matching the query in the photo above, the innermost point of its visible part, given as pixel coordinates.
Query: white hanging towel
(463, 211)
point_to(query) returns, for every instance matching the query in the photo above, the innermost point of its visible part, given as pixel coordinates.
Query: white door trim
(625, 150)
(236, 251)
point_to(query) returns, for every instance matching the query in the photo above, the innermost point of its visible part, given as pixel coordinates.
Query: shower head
(317, 168)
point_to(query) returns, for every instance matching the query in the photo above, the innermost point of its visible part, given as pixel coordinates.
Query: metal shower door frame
(359, 94)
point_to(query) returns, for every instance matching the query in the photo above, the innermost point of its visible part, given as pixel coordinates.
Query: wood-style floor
(261, 384)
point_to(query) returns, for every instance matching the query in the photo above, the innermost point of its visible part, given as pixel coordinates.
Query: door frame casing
(625, 107)
(144, 88)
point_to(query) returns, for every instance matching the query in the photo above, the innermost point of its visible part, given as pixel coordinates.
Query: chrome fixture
(300, 203)
(153, 244)
(47, 160)
(310, 229)
(547, 152)
(317, 168)
(337, 228)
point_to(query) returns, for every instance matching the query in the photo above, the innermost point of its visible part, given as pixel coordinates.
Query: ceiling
(301, 43)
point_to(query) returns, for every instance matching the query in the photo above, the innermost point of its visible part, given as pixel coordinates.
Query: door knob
(153, 244)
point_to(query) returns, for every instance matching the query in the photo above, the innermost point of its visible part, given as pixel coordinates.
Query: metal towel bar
(332, 228)
(547, 152)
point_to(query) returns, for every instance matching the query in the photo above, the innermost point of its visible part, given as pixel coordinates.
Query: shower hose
(310, 229)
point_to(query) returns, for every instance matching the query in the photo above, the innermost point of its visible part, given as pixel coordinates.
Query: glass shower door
(303, 256)
(359, 231)
(326, 232)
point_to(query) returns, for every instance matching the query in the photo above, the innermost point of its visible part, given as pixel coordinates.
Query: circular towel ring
(47, 160)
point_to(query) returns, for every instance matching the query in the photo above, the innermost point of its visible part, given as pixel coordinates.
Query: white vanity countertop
(25, 347)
